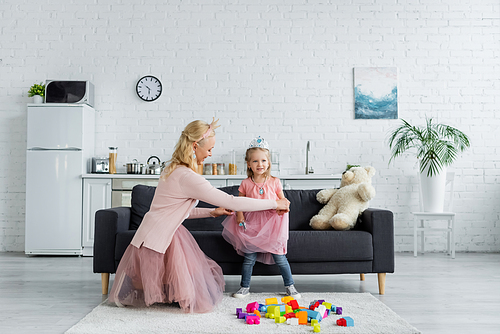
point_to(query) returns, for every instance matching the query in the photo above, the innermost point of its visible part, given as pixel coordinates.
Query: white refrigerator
(60, 145)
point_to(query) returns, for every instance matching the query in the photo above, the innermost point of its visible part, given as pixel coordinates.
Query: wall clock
(148, 88)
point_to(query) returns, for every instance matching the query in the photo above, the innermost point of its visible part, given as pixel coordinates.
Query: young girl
(260, 236)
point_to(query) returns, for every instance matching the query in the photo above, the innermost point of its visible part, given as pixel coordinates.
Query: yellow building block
(279, 320)
(270, 301)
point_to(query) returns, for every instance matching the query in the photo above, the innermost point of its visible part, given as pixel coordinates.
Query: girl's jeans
(249, 261)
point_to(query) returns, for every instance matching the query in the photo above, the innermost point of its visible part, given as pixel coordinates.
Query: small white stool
(448, 216)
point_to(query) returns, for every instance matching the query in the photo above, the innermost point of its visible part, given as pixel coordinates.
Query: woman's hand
(283, 206)
(220, 211)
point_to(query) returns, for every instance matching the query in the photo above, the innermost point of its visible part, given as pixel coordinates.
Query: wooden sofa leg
(362, 277)
(381, 283)
(105, 283)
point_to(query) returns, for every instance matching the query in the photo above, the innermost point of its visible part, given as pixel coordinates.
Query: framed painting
(375, 93)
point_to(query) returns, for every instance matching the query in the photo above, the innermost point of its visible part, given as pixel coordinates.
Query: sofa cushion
(142, 196)
(324, 246)
(303, 206)
(303, 246)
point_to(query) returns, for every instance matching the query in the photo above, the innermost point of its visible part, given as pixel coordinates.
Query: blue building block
(313, 315)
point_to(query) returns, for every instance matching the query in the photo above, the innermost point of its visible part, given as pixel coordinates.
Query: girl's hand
(239, 217)
(283, 205)
(220, 211)
(281, 212)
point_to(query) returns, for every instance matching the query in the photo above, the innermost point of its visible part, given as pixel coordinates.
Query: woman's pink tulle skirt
(184, 274)
(266, 234)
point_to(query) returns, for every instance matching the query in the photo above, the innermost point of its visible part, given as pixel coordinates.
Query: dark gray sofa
(368, 248)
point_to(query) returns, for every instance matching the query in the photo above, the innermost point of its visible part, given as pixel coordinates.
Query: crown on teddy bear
(259, 142)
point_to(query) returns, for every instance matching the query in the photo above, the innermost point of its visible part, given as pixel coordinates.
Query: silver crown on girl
(259, 142)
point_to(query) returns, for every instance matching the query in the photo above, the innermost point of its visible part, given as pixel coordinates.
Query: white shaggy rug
(369, 314)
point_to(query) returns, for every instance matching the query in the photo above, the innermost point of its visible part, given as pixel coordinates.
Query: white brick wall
(282, 69)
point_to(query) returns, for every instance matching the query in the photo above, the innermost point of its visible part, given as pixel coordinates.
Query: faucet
(309, 170)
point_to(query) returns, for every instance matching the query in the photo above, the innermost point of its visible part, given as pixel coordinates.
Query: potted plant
(38, 91)
(437, 146)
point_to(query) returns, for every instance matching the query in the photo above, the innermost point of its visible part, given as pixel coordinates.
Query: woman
(163, 263)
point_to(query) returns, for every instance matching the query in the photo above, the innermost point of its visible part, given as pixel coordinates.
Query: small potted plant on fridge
(38, 92)
(437, 146)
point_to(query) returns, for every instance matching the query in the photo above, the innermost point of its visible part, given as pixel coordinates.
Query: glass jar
(113, 153)
(214, 169)
(232, 164)
(207, 169)
(221, 169)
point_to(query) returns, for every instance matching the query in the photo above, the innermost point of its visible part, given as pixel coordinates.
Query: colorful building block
(314, 315)
(242, 315)
(279, 320)
(345, 322)
(257, 313)
(320, 309)
(238, 311)
(252, 319)
(252, 307)
(271, 301)
(290, 315)
(339, 310)
(286, 299)
(313, 305)
(293, 321)
(327, 305)
(317, 328)
(302, 315)
(294, 304)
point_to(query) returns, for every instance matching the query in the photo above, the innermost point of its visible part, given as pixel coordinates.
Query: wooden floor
(432, 292)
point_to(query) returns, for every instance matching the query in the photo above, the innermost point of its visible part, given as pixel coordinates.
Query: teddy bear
(345, 204)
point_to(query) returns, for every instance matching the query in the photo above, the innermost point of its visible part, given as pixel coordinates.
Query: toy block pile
(292, 313)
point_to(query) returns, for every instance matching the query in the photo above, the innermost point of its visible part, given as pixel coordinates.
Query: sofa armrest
(380, 223)
(108, 222)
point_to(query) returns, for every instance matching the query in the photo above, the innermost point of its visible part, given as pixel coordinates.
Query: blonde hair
(195, 132)
(248, 156)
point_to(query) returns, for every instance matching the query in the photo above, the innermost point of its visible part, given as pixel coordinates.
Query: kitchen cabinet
(96, 196)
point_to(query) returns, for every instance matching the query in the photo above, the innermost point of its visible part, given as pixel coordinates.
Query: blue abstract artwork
(375, 93)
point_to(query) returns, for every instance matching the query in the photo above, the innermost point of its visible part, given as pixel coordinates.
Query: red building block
(294, 304)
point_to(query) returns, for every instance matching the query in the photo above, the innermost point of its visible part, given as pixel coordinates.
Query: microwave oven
(69, 92)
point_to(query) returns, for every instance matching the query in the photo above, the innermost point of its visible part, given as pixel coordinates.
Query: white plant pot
(37, 99)
(433, 191)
